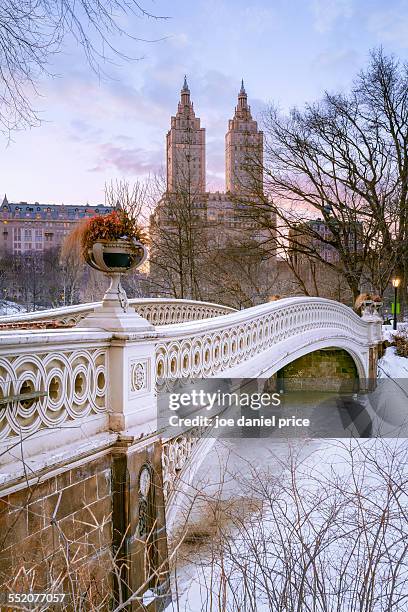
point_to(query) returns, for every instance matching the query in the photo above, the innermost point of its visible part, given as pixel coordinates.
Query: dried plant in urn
(113, 242)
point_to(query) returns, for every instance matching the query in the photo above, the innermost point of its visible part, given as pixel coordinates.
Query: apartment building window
(17, 239)
(38, 239)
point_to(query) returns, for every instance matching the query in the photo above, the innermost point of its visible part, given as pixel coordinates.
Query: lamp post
(395, 283)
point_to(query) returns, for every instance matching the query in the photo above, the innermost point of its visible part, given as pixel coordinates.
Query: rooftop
(49, 211)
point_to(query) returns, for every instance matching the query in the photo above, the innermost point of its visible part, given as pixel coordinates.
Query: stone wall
(73, 532)
(322, 370)
(59, 528)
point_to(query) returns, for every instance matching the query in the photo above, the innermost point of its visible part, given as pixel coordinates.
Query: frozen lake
(228, 513)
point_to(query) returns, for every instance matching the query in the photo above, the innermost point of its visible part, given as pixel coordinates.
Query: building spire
(185, 93)
(242, 99)
(5, 200)
(185, 148)
(243, 145)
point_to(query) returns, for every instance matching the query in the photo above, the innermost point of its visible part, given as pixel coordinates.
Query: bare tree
(310, 534)
(178, 233)
(242, 274)
(130, 197)
(32, 31)
(345, 160)
(71, 271)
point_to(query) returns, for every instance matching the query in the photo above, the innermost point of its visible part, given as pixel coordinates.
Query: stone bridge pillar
(139, 537)
(375, 340)
(138, 515)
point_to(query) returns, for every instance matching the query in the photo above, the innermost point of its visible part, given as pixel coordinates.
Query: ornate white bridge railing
(207, 348)
(59, 387)
(157, 311)
(177, 452)
(53, 389)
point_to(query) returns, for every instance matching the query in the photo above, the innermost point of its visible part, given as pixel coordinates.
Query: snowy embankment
(391, 365)
(388, 404)
(9, 308)
(327, 521)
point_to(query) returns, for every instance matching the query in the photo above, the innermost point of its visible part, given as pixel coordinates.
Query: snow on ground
(323, 464)
(9, 308)
(391, 365)
(331, 471)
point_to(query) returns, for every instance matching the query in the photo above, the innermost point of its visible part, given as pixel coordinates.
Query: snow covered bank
(9, 308)
(328, 534)
(391, 365)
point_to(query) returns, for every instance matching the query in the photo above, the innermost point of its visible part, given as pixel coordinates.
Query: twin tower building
(186, 149)
(199, 238)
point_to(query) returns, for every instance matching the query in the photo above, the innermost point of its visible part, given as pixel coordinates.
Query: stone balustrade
(207, 348)
(158, 311)
(63, 386)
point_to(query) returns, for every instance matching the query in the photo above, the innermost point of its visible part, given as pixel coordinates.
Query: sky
(97, 129)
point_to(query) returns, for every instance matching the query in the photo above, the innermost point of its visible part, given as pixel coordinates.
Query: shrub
(401, 343)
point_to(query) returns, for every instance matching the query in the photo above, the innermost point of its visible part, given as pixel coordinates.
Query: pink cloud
(131, 161)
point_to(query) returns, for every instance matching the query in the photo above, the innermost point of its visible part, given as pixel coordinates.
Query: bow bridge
(78, 409)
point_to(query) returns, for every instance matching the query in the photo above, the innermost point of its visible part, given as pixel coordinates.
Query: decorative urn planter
(371, 309)
(116, 257)
(367, 309)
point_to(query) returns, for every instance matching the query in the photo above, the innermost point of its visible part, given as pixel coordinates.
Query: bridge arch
(358, 355)
(257, 343)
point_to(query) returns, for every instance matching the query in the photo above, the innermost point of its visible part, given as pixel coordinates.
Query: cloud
(215, 88)
(327, 12)
(179, 41)
(258, 19)
(84, 132)
(110, 99)
(335, 60)
(129, 161)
